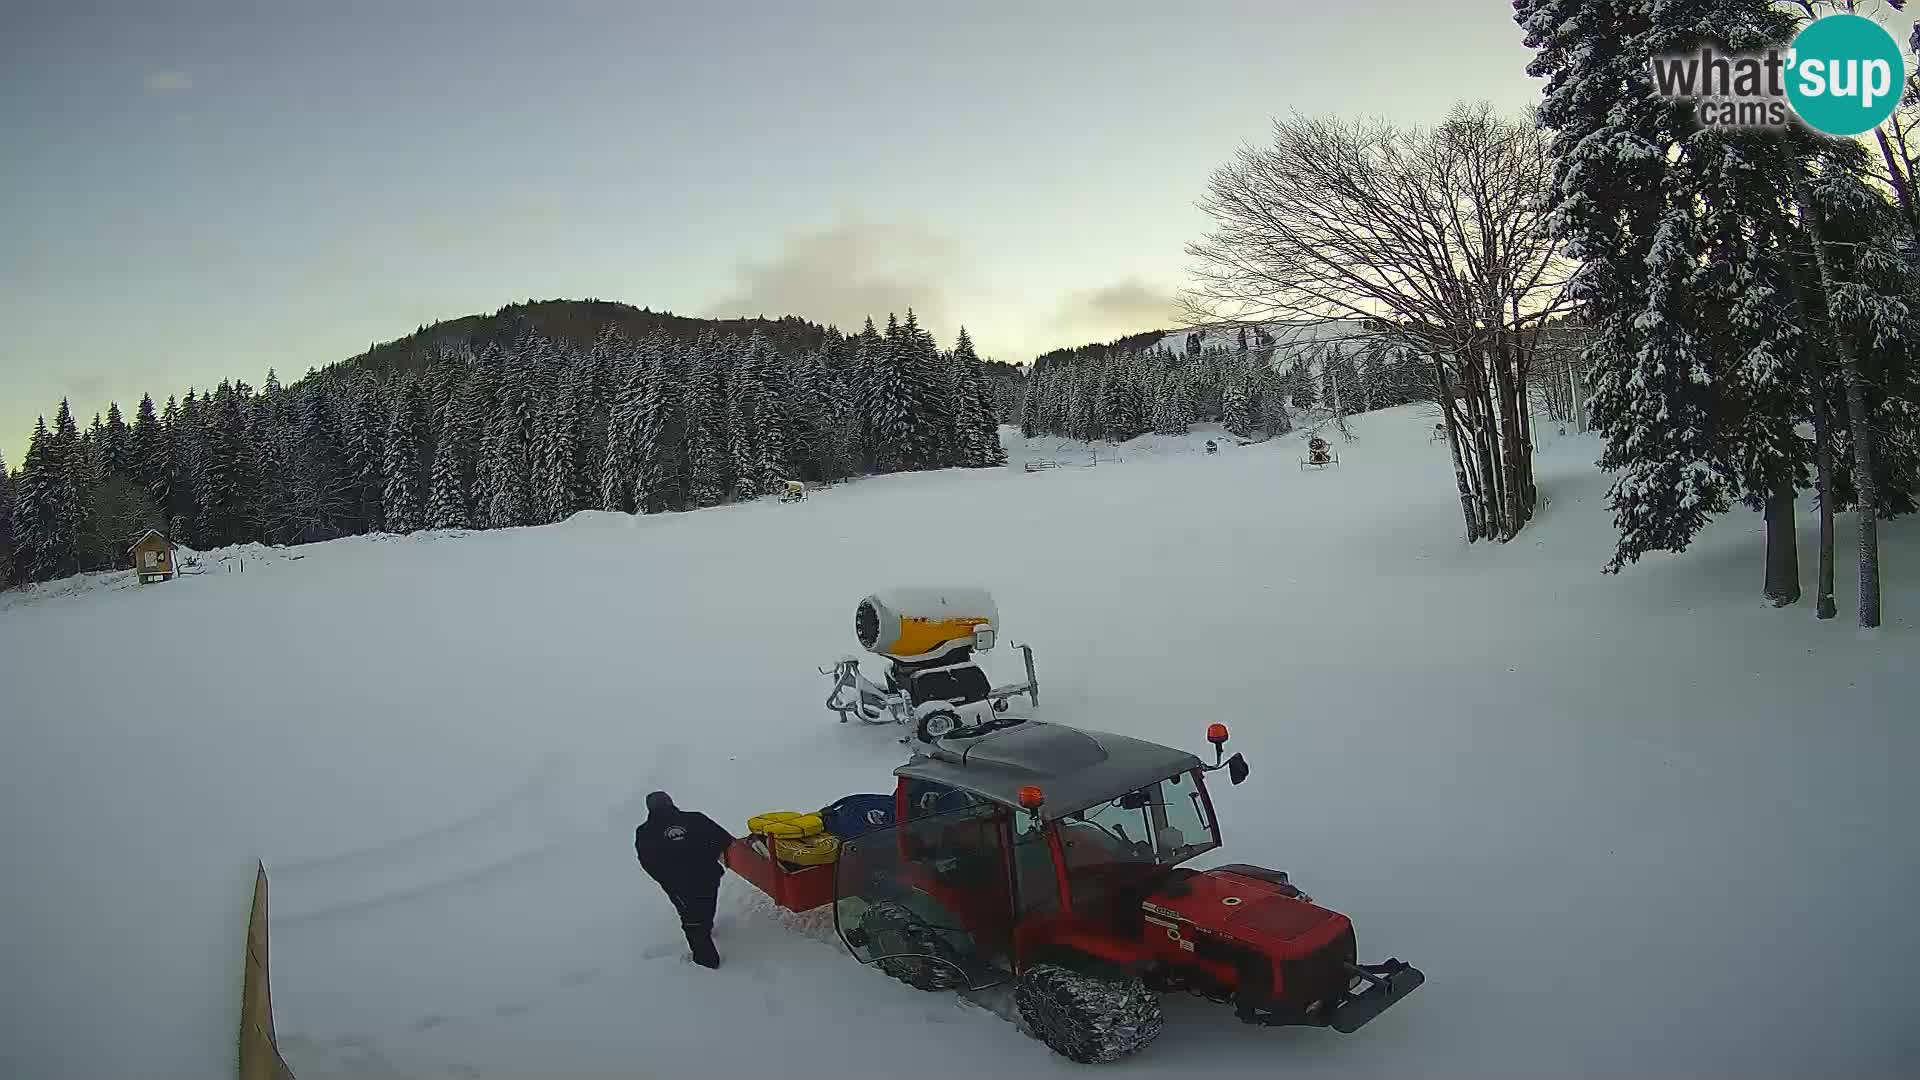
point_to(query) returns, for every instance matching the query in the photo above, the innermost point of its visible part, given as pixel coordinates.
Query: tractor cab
(1020, 844)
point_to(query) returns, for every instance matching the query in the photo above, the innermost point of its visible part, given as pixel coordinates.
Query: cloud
(1126, 306)
(168, 82)
(845, 272)
(83, 385)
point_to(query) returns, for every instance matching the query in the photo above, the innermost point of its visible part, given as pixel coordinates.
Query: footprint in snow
(580, 978)
(427, 1023)
(467, 1071)
(656, 952)
(511, 1008)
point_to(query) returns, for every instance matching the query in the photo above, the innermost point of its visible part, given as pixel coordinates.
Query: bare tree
(1898, 138)
(1899, 142)
(1437, 236)
(1561, 375)
(121, 510)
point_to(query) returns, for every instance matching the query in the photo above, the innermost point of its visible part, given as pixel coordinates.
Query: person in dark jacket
(681, 850)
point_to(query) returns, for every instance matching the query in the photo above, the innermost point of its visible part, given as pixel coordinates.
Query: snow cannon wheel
(1087, 1018)
(936, 723)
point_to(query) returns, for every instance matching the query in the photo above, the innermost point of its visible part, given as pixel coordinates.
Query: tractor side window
(1033, 869)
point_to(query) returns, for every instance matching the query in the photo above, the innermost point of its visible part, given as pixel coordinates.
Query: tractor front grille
(1319, 976)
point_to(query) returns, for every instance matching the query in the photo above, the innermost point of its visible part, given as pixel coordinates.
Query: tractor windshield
(1129, 840)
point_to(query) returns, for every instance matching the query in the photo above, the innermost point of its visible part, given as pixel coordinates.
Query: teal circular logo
(1845, 74)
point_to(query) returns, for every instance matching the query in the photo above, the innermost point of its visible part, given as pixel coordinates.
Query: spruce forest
(525, 429)
(1249, 383)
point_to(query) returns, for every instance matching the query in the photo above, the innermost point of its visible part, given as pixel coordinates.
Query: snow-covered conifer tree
(448, 509)
(401, 496)
(709, 461)
(556, 490)
(42, 524)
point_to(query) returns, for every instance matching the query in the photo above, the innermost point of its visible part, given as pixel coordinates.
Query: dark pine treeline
(1135, 385)
(518, 425)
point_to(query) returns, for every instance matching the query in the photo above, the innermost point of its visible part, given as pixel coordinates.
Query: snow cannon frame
(928, 637)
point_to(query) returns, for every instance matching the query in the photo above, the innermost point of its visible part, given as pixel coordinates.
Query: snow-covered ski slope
(1629, 826)
(1315, 339)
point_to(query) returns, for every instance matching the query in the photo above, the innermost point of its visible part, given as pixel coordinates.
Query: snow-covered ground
(1638, 825)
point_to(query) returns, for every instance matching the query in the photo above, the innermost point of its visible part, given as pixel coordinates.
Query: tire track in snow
(529, 787)
(357, 904)
(522, 827)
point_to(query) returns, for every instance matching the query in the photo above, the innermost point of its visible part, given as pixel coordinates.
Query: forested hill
(574, 323)
(1132, 343)
(523, 417)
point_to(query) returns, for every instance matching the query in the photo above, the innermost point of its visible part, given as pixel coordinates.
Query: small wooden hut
(152, 556)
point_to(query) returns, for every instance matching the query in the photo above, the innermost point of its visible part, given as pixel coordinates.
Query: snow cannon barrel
(919, 624)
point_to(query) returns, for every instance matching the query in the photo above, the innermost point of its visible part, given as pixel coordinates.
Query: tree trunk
(1475, 528)
(1868, 488)
(1783, 548)
(1519, 438)
(1573, 392)
(1823, 605)
(1867, 491)
(1514, 463)
(1339, 414)
(1493, 500)
(1530, 490)
(1500, 412)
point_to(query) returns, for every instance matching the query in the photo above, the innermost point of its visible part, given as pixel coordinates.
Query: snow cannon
(915, 625)
(928, 636)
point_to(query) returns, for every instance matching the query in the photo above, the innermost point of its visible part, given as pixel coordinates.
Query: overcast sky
(190, 191)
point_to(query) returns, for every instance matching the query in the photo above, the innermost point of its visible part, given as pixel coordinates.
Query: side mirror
(983, 638)
(1237, 768)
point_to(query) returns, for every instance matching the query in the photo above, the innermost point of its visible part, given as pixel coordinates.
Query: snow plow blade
(1390, 982)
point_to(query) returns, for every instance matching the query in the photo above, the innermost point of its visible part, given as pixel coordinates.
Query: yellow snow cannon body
(924, 623)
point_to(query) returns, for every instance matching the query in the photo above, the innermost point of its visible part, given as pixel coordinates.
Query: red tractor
(1051, 857)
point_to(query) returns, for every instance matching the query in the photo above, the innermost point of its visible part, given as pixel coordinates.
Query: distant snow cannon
(928, 637)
